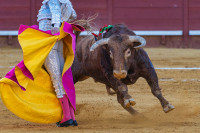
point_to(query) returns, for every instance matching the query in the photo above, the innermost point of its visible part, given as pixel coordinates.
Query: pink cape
(67, 78)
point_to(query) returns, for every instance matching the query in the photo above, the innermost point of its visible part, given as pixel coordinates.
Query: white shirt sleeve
(55, 8)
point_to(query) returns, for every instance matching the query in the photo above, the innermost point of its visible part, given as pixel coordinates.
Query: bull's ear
(135, 44)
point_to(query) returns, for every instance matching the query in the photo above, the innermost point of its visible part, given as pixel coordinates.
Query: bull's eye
(127, 53)
(111, 55)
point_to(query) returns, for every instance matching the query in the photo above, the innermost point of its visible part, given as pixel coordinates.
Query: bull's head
(121, 49)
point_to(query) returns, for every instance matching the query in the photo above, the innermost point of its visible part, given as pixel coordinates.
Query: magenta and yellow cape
(27, 89)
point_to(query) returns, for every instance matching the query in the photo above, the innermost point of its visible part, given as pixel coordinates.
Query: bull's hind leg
(109, 91)
(152, 80)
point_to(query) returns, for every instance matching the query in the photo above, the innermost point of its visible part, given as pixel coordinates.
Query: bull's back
(83, 50)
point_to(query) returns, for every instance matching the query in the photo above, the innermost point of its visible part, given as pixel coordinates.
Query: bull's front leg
(152, 80)
(125, 104)
(120, 88)
(122, 93)
(123, 97)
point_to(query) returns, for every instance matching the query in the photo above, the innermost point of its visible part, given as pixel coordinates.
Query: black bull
(117, 60)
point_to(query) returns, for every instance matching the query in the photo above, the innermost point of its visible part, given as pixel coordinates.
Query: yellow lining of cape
(39, 102)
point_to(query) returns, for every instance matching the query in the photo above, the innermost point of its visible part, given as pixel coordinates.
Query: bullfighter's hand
(54, 30)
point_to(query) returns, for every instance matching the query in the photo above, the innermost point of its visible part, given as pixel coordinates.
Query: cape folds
(27, 90)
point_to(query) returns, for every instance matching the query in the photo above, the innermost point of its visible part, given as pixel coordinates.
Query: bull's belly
(130, 79)
(100, 78)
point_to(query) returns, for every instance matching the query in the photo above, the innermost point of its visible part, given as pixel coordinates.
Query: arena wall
(140, 15)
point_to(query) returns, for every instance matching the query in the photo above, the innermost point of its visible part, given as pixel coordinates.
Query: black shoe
(65, 124)
(58, 123)
(75, 123)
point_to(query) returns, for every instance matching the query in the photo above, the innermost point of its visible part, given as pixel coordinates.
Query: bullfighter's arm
(55, 8)
(67, 10)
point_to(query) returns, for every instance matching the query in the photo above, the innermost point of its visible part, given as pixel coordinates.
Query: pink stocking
(71, 112)
(66, 109)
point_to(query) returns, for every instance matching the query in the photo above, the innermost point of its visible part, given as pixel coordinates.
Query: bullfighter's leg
(61, 59)
(54, 65)
(60, 54)
(152, 80)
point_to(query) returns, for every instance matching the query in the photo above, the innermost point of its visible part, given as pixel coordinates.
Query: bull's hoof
(168, 108)
(129, 102)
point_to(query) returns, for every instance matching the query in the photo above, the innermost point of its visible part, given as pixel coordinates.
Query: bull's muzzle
(120, 74)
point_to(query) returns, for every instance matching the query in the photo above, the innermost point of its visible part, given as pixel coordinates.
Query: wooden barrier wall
(137, 14)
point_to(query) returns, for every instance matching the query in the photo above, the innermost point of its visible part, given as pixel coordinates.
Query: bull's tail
(87, 23)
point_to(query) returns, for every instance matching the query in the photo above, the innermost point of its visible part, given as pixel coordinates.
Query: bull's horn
(138, 39)
(99, 43)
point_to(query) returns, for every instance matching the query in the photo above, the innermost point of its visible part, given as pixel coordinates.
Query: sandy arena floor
(98, 112)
